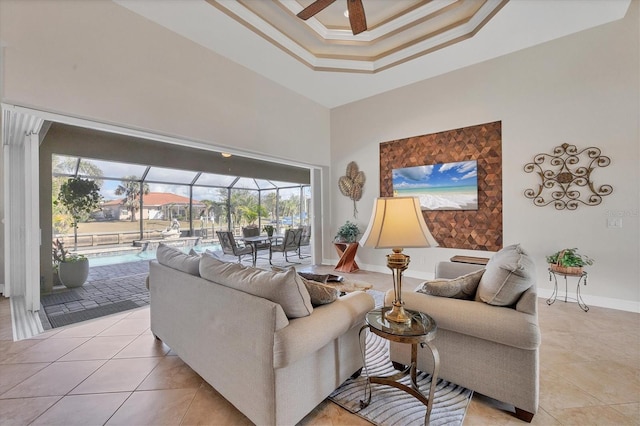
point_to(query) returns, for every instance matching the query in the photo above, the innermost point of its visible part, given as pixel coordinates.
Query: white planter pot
(73, 274)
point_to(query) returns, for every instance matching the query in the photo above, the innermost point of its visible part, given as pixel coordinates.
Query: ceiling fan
(356, 13)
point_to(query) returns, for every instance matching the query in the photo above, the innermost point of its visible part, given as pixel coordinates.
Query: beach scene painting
(445, 186)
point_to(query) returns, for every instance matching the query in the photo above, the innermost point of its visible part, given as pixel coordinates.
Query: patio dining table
(256, 240)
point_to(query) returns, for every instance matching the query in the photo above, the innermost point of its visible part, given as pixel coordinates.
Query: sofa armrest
(326, 323)
(494, 323)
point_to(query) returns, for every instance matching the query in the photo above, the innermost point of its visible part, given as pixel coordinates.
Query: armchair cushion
(509, 273)
(463, 287)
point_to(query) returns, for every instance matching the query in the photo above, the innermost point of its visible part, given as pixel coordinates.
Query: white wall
(98, 60)
(582, 89)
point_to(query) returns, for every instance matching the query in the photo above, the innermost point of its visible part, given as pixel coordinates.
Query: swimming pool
(143, 255)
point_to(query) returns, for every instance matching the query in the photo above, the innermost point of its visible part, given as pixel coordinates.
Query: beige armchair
(492, 350)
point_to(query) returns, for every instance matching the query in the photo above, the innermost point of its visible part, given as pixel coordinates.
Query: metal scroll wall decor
(352, 184)
(566, 177)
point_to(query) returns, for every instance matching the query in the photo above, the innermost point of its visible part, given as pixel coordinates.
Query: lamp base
(397, 314)
(397, 262)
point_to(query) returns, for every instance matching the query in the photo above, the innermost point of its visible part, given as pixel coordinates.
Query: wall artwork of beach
(446, 186)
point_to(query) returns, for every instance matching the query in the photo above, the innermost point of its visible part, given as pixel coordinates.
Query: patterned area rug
(390, 406)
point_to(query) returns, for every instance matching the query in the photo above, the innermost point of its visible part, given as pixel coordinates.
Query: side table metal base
(581, 278)
(411, 370)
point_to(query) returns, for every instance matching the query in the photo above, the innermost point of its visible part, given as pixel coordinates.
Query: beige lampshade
(397, 222)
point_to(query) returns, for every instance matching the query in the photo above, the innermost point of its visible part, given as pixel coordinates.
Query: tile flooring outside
(112, 371)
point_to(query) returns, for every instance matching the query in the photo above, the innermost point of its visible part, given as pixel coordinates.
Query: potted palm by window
(79, 197)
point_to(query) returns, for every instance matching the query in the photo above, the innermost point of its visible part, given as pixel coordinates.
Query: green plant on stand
(347, 233)
(568, 261)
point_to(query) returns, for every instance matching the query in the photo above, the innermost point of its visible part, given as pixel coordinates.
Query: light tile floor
(112, 371)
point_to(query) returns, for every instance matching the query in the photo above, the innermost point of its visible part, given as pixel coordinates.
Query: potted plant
(79, 197)
(269, 230)
(347, 233)
(568, 261)
(73, 269)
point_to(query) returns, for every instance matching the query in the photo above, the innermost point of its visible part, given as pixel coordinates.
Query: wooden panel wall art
(479, 229)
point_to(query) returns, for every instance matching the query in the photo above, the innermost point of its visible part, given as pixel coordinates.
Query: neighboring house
(157, 205)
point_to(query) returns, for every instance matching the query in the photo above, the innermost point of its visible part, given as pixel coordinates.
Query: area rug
(392, 407)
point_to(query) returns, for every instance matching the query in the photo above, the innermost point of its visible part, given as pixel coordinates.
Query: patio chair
(305, 240)
(230, 247)
(290, 243)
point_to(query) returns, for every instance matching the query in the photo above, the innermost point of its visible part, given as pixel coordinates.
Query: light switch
(614, 222)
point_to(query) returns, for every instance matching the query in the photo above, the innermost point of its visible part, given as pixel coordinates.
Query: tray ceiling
(397, 30)
(407, 40)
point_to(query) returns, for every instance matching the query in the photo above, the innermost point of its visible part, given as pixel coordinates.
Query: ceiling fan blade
(313, 8)
(356, 16)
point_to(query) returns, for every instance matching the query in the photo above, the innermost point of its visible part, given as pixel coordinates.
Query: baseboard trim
(590, 300)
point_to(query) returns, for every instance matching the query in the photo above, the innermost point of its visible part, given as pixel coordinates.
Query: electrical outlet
(614, 222)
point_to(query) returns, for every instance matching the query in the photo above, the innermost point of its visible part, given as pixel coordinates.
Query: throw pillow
(177, 259)
(320, 294)
(509, 273)
(463, 287)
(284, 288)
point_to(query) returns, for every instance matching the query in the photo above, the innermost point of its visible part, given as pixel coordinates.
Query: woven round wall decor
(352, 184)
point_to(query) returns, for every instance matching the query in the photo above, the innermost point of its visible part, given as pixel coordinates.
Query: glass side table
(581, 278)
(421, 331)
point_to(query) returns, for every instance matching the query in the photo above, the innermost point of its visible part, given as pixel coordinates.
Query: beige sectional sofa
(483, 346)
(271, 354)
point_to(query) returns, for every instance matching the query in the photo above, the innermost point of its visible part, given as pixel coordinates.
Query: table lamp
(397, 223)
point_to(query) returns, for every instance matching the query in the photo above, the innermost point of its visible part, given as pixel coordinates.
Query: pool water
(143, 255)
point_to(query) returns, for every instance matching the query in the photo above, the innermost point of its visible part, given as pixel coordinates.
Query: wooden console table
(470, 259)
(347, 253)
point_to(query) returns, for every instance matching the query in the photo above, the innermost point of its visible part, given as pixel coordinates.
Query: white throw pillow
(284, 288)
(177, 259)
(509, 273)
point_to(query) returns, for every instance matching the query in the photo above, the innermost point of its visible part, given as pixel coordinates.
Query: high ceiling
(406, 40)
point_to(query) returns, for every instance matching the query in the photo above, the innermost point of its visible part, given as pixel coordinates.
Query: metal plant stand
(581, 278)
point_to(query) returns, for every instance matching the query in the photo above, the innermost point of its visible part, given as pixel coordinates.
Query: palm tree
(130, 188)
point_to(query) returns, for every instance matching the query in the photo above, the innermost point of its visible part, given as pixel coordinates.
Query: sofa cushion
(177, 259)
(508, 274)
(463, 287)
(284, 288)
(320, 294)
